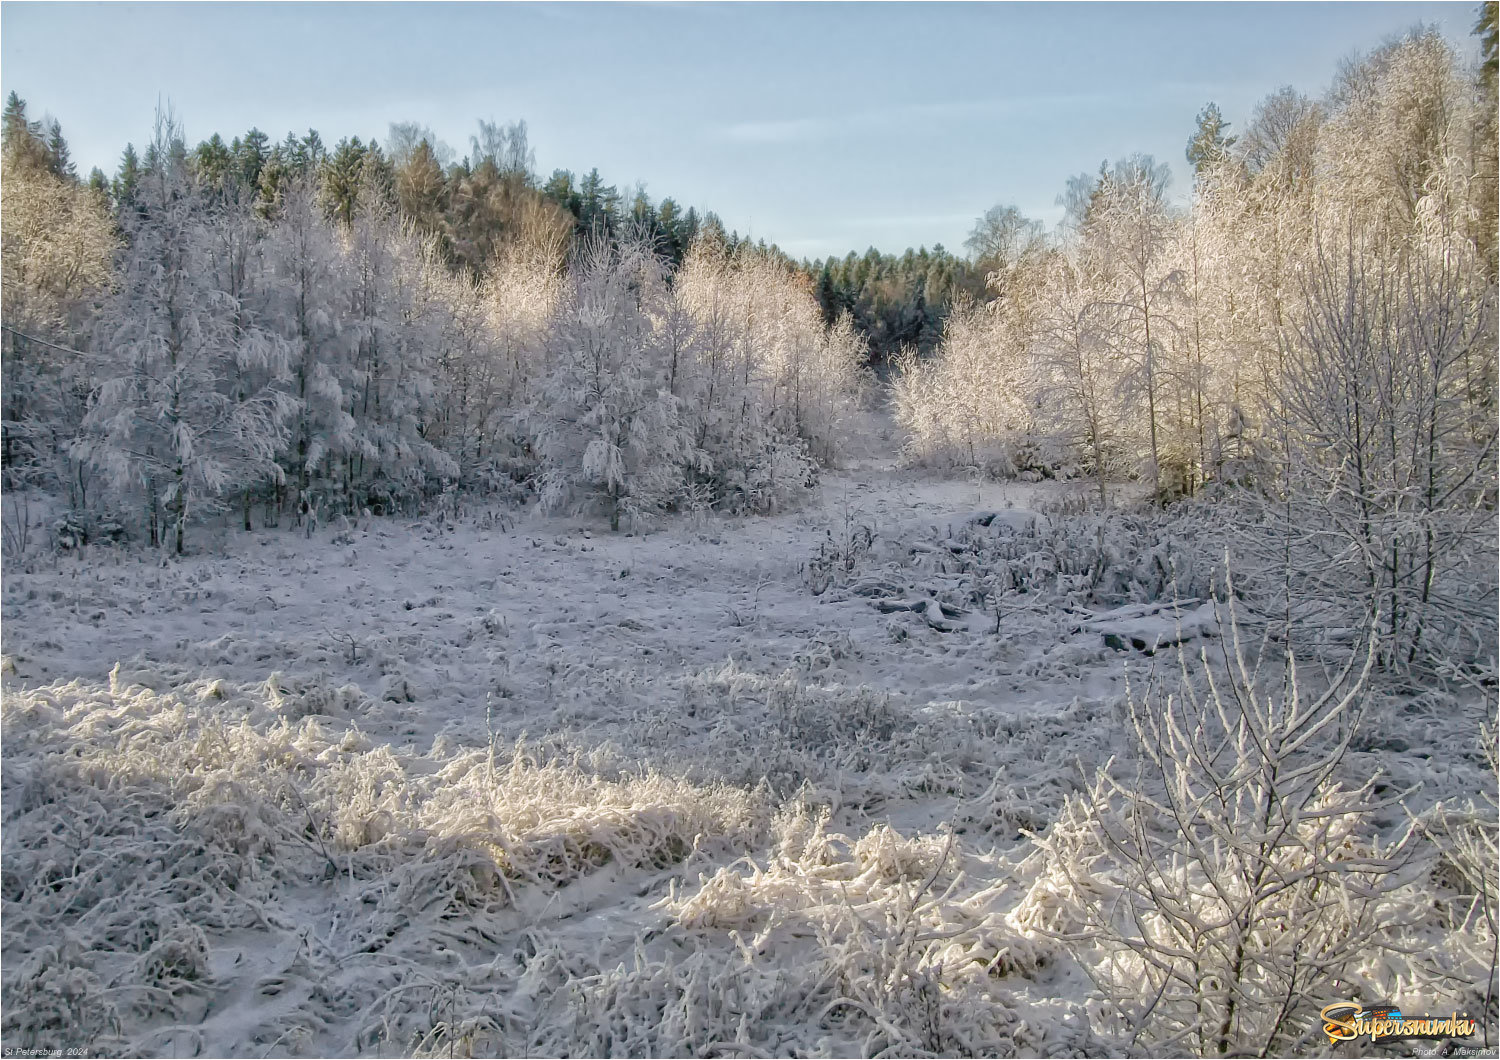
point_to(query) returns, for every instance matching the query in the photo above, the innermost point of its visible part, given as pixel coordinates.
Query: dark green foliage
(127, 180)
(895, 302)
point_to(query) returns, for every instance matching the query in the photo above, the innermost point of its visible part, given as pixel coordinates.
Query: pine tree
(598, 205)
(249, 157)
(341, 175)
(127, 179)
(25, 145)
(1486, 30)
(213, 164)
(422, 191)
(59, 158)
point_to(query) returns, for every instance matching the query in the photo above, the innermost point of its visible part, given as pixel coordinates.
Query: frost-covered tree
(1082, 382)
(1126, 239)
(1389, 447)
(1397, 114)
(606, 421)
(395, 325)
(1004, 238)
(187, 411)
(55, 257)
(1282, 136)
(310, 303)
(774, 353)
(768, 387)
(973, 403)
(235, 252)
(977, 401)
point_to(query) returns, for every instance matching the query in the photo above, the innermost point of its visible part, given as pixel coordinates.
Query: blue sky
(822, 127)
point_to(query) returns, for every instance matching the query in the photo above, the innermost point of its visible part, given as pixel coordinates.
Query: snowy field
(501, 784)
(454, 610)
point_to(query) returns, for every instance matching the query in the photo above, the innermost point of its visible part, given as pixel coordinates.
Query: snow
(1149, 627)
(497, 782)
(522, 610)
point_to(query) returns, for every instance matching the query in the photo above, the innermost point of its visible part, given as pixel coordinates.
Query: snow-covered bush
(76, 529)
(1464, 834)
(1225, 886)
(1060, 559)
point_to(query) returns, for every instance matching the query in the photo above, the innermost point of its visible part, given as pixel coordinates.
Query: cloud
(808, 129)
(812, 246)
(794, 130)
(915, 220)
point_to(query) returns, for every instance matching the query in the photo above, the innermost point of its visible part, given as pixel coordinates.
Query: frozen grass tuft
(148, 830)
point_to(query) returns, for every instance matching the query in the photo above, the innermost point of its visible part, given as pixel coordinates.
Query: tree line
(256, 328)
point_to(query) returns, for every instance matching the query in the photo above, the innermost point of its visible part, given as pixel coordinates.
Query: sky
(824, 128)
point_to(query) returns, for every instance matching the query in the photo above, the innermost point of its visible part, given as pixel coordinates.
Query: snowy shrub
(1464, 835)
(77, 529)
(1227, 886)
(54, 1003)
(841, 552)
(1042, 570)
(774, 474)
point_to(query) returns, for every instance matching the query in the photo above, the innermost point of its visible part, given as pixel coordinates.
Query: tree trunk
(1151, 393)
(181, 510)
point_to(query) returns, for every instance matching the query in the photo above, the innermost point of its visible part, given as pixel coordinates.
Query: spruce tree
(1211, 142)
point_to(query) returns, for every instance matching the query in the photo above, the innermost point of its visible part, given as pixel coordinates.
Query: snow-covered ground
(434, 617)
(504, 783)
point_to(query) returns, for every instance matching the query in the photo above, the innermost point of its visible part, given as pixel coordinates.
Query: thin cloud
(808, 129)
(794, 130)
(916, 220)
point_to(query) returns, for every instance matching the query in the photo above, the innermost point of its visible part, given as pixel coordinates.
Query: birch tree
(1126, 238)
